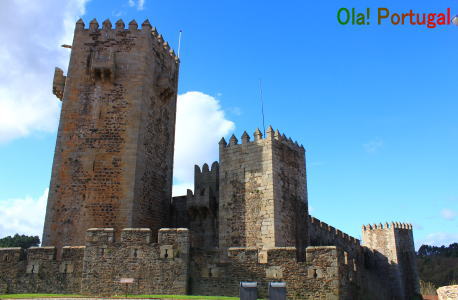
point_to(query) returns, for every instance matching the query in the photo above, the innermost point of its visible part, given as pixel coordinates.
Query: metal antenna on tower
(179, 43)
(262, 108)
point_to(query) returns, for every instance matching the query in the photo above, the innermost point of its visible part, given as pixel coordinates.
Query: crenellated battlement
(271, 135)
(206, 178)
(120, 30)
(12, 255)
(332, 230)
(206, 187)
(395, 225)
(322, 234)
(132, 236)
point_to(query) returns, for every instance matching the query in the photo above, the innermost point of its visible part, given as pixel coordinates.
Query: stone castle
(111, 214)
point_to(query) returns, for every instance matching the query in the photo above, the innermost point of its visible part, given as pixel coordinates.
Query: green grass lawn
(19, 296)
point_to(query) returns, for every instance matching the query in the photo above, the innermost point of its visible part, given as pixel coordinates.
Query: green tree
(17, 240)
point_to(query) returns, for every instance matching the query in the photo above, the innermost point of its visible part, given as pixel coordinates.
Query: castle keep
(110, 213)
(114, 152)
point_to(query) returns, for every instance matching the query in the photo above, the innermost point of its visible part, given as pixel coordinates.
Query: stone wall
(38, 271)
(290, 192)
(157, 268)
(318, 276)
(262, 199)
(322, 234)
(393, 255)
(202, 207)
(179, 213)
(114, 152)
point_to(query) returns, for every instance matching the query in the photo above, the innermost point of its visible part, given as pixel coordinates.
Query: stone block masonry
(157, 268)
(317, 275)
(263, 195)
(38, 271)
(114, 152)
(394, 254)
(110, 205)
(96, 269)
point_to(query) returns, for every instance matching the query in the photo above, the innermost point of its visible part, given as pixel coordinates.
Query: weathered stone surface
(114, 152)
(157, 268)
(262, 194)
(394, 252)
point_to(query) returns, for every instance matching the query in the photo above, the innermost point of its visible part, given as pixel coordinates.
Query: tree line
(427, 250)
(22, 241)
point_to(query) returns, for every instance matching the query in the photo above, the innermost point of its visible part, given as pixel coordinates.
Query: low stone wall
(170, 266)
(157, 268)
(323, 273)
(96, 269)
(37, 270)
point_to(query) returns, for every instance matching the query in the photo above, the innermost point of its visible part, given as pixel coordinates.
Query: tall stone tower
(262, 193)
(394, 242)
(114, 152)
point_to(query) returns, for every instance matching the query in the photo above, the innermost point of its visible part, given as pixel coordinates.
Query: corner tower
(114, 152)
(263, 192)
(394, 242)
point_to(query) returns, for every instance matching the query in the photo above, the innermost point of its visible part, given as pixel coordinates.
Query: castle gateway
(110, 212)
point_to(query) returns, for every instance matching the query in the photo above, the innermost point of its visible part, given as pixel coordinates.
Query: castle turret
(202, 207)
(114, 153)
(263, 193)
(394, 242)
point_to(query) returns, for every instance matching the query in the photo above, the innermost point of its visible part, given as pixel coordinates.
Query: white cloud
(29, 50)
(235, 110)
(23, 216)
(200, 125)
(439, 239)
(373, 146)
(140, 4)
(448, 214)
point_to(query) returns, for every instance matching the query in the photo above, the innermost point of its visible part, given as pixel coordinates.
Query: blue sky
(374, 106)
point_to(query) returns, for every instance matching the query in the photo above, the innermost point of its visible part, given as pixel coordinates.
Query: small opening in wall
(97, 74)
(106, 74)
(315, 275)
(166, 253)
(135, 253)
(6, 258)
(33, 269)
(102, 252)
(210, 272)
